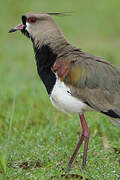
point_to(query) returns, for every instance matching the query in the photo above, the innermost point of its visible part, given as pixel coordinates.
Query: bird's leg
(85, 136)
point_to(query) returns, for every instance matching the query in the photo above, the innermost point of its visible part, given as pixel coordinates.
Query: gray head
(39, 27)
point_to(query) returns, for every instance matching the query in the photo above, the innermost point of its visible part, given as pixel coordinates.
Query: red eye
(32, 19)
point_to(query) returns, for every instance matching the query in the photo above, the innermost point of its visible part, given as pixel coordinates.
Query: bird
(75, 81)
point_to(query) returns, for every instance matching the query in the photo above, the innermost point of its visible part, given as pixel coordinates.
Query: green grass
(36, 140)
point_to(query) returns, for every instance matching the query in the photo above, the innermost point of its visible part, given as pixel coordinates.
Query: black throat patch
(45, 59)
(25, 32)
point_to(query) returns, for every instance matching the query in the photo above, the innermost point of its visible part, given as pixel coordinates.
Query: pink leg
(84, 137)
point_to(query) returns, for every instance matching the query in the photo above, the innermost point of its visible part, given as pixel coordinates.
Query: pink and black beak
(20, 26)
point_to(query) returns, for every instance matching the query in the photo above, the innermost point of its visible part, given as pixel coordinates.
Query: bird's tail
(115, 121)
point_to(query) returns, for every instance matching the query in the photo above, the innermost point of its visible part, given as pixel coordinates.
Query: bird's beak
(19, 27)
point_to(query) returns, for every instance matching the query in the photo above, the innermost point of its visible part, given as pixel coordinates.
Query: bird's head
(39, 27)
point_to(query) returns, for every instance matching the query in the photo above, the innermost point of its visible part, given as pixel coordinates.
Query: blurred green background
(36, 140)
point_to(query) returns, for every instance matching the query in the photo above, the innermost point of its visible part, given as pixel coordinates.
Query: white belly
(62, 99)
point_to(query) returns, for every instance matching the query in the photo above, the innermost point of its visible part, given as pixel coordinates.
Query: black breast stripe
(45, 59)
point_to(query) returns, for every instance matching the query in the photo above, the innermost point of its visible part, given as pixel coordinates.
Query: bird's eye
(32, 20)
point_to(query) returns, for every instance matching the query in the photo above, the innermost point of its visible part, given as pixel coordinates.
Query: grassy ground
(36, 140)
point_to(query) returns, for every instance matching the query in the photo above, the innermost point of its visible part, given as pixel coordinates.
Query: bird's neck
(60, 46)
(46, 54)
(56, 42)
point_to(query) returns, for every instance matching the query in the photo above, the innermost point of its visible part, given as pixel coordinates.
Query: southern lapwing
(75, 81)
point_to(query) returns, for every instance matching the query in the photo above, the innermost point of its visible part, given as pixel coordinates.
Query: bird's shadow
(69, 176)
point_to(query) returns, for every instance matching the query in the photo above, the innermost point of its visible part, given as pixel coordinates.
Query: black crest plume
(59, 13)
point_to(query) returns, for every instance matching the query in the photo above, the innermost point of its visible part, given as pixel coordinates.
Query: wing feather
(97, 83)
(93, 80)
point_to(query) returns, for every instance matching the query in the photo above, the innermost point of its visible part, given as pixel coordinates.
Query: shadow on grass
(31, 164)
(26, 165)
(69, 176)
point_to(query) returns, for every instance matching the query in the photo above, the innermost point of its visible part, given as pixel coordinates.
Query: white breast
(62, 99)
